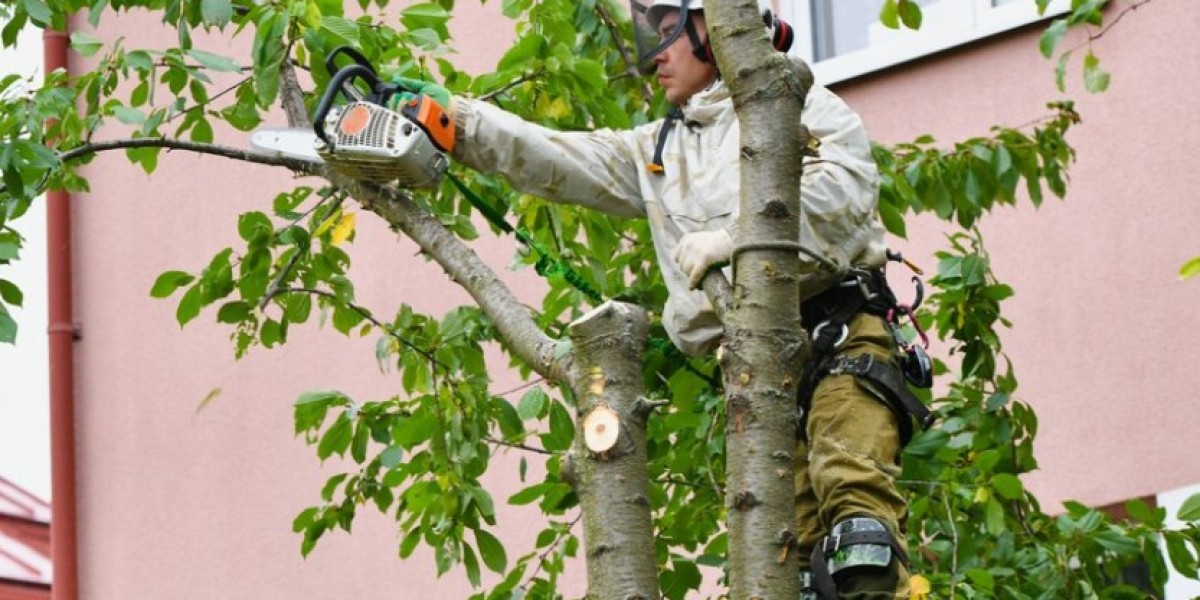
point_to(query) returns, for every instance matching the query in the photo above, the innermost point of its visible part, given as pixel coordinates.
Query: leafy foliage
(420, 455)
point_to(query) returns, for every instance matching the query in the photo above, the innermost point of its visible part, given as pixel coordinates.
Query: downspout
(63, 551)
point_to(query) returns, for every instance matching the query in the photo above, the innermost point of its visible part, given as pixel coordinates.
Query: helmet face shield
(647, 16)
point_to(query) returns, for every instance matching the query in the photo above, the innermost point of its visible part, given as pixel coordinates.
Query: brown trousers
(848, 465)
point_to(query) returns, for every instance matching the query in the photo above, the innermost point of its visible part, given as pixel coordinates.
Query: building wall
(183, 502)
(1102, 337)
(24, 375)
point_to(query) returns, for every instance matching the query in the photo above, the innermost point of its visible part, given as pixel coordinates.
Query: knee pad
(856, 545)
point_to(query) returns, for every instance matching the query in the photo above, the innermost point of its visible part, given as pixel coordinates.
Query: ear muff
(782, 34)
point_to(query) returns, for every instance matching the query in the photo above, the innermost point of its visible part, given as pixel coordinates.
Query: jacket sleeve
(840, 188)
(597, 169)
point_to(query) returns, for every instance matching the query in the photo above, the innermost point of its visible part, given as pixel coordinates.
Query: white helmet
(646, 19)
(660, 7)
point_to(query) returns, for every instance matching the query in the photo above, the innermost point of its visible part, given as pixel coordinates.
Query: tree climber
(682, 173)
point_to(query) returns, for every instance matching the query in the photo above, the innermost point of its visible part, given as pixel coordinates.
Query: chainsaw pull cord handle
(546, 265)
(340, 78)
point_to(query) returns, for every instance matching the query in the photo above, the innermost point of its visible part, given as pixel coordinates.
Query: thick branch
(291, 96)
(512, 319)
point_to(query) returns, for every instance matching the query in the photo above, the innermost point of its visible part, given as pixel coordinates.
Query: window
(842, 39)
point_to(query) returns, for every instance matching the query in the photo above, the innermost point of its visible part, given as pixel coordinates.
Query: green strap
(546, 266)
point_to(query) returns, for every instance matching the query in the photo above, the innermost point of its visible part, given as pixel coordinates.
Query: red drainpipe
(63, 553)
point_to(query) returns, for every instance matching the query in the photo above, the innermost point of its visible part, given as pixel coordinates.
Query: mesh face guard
(646, 34)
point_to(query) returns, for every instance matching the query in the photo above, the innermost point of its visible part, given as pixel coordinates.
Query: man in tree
(682, 174)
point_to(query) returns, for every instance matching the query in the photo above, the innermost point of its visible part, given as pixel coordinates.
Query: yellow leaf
(919, 587)
(343, 230)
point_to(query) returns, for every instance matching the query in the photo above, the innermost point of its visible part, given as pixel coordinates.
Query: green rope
(546, 265)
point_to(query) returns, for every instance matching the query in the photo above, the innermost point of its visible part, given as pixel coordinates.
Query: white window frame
(932, 37)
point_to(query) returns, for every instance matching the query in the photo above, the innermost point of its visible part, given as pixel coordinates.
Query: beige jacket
(606, 170)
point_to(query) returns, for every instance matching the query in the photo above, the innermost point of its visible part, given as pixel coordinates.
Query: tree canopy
(974, 528)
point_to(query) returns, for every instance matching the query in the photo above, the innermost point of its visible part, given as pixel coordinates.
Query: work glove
(700, 251)
(438, 93)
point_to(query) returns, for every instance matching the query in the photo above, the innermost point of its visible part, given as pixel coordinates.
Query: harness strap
(673, 117)
(888, 383)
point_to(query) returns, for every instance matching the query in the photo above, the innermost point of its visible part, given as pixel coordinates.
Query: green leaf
(337, 439)
(1095, 79)
(168, 282)
(391, 457)
(889, 15)
(1190, 509)
(1190, 269)
(344, 29)
(362, 435)
(1008, 486)
(1050, 38)
(38, 11)
(494, 556)
(189, 305)
(216, 12)
(910, 14)
(8, 327)
(410, 542)
(215, 62)
(128, 115)
(10, 293)
(85, 43)
(312, 405)
(530, 494)
(470, 563)
(532, 403)
(527, 48)
(1181, 557)
(994, 517)
(562, 430)
(254, 225)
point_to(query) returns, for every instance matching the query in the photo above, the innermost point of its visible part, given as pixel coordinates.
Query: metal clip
(816, 333)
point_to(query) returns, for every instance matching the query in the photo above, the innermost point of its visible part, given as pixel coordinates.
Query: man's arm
(598, 169)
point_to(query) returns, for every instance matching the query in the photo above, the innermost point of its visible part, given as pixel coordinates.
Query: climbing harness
(827, 317)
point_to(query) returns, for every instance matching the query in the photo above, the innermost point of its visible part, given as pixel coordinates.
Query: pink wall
(1103, 343)
(180, 503)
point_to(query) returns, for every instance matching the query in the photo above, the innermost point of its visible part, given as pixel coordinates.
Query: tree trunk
(764, 344)
(607, 467)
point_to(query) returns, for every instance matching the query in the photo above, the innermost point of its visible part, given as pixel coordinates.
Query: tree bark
(607, 467)
(764, 345)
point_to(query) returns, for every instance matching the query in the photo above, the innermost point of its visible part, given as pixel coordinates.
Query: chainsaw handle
(348, 51)
(339, 79)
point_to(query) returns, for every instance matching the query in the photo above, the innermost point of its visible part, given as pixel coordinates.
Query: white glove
(700, 251)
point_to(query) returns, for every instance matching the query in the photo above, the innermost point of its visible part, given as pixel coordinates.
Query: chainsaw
(381, 133)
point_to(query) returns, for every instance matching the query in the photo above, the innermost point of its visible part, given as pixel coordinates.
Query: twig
(954, 544)
(631, 69)
(1095, 36)
(301, 166)
(273, 289)
(366, 314)
(523, 386)
(510, 85)
(210, 99)
(554, 546)
(496, 442)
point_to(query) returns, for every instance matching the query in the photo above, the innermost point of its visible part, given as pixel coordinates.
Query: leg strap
(888, 383)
